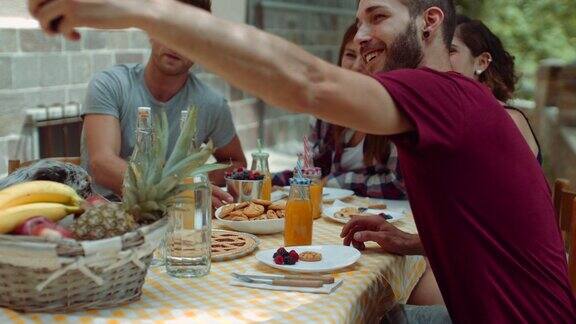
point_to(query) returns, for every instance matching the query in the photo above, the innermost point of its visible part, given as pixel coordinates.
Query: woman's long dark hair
(500, 75)
(376, 148)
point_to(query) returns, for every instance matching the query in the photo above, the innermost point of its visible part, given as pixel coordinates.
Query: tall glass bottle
(188, 249)
(143, 134)
(260, 164)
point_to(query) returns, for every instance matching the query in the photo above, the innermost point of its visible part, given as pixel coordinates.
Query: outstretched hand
(363, 229)
(65, 16)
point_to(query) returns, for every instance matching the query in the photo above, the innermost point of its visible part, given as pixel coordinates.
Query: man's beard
(405, 51)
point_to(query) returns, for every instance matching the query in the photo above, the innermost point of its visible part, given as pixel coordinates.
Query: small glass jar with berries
(244, 185)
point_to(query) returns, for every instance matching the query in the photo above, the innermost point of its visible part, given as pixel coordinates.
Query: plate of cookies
(310, 259)
(255, 217)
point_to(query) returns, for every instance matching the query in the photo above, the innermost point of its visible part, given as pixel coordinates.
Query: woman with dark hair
(349, 159)
(479, 54)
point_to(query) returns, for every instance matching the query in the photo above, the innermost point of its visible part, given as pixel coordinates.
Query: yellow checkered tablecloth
(370, 288)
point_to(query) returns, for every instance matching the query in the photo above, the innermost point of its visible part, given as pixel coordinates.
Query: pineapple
(153, 185)
(103, 221)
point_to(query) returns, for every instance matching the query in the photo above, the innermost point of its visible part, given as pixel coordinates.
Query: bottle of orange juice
(299, 219)
(260, 164)
(316, 189)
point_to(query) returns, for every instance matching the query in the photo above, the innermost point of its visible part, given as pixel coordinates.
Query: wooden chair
(13, 165)
(565, 205)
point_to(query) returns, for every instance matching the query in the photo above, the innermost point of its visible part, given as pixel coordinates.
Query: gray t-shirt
(120, 90)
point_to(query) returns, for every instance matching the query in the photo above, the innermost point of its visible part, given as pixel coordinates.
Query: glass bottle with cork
(144, 142)
(143, 134)
(260, 164)
(298, 221)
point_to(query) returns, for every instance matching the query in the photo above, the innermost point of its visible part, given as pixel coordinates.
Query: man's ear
(432, 18)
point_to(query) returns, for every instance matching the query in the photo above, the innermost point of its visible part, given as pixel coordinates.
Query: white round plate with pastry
(253, 217)
(343, 215)
(334, 257)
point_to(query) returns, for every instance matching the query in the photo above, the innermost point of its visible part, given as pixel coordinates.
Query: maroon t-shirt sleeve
(431, 101)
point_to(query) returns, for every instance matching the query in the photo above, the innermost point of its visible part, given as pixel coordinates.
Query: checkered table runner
(370, 288)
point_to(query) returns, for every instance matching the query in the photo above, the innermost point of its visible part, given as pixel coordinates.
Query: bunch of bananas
(23, 201)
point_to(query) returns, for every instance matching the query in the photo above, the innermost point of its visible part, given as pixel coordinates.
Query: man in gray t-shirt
(110, 114)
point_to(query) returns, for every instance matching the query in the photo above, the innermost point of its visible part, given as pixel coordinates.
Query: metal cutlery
(280, 282)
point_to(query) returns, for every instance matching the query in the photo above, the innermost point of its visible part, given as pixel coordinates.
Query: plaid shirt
(377, 181)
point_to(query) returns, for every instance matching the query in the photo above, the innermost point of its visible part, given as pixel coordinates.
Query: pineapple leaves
(187, 134)
(160, 148)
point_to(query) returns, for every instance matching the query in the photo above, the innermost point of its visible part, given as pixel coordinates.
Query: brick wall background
(40, 70)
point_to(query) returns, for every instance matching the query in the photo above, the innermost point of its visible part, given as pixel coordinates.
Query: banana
(11, 217)
(36, 192)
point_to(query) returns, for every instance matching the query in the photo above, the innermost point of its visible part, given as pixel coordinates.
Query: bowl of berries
(244, 185)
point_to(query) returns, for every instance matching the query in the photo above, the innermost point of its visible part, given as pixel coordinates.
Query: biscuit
(262, 202)
(280, 213)
(310, 256)
(236, 213)
(237, 218)
(279, 205)
(226, 210)
(253, 210)
(241, 205)
(271, 214)
(261, 217)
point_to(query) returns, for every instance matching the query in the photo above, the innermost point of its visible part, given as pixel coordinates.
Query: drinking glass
(188, 239)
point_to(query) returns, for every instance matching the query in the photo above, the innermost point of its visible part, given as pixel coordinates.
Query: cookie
(237, 218)
(280, 213)
(253, 210)
(226, 210)
(279, 205)
(241, 205)
(236, 213)
(262, 202)
(261, 217)
(310, 256)
(271, 214)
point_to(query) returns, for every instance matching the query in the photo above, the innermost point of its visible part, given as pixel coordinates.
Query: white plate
(330, 194)
(334, 257)
(269, 226)
(330, 213)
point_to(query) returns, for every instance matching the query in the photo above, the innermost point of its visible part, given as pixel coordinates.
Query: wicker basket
(38, 275)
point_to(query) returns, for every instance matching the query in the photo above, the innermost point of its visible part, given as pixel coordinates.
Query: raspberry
(279, 260)
(294, 255)
(289, 261)
(282, 251)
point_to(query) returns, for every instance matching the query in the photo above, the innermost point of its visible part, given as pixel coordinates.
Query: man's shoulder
(121, 74)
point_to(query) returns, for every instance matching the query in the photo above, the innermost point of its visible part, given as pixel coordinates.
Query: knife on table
(324, 279)
(280, 282)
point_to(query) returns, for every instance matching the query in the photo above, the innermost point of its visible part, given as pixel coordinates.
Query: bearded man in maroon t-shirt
(480, 199)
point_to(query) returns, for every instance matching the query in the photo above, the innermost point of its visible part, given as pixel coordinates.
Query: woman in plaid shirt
(366, 164)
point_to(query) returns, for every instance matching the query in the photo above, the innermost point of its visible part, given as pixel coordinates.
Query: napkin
(326, 289)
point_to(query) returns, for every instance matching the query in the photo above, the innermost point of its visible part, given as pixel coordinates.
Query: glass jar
(298, 220)
(260, 164)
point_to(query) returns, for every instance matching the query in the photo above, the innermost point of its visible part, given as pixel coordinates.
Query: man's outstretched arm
(279, 72)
